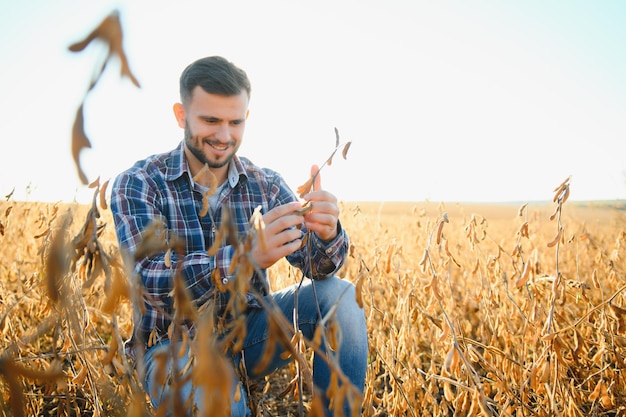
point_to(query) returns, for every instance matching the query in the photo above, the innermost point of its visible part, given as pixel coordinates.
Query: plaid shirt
(160, 188)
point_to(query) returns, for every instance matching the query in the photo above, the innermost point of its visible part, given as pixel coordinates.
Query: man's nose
(223, 133)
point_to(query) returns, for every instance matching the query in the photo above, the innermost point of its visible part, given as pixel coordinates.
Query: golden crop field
(471, 310)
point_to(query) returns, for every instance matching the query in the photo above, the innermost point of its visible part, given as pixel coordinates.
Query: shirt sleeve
(320, 259)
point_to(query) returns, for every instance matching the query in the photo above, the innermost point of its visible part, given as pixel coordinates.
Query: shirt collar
(177, 165)
(237, 172)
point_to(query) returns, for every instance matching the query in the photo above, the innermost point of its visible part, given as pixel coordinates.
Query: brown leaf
(259, 227)
(57, 261)
(344, 152)
(184, 307)
(211, 373)
(102, 195)
(439, 232)
(79, 142)
(359, 290)
(523, 279)
(329, 161)
(432, 285)
(305, 188)
(520, 211)
(86, 234)
(523, 230)
(205, 205)
(95, 183)
(557, 238)
(153, 241)
(206, 176)
(110, 32)
(11, 373)
(118, 292)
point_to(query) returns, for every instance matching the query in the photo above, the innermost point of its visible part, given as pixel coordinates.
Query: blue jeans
(334, 296)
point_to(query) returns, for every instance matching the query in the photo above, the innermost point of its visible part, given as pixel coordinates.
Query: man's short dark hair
(215, 75)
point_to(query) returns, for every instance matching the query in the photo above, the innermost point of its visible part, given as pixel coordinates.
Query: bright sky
(447, 101)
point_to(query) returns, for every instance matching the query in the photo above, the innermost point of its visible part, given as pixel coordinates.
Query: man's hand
(324, 214)
(281, 234)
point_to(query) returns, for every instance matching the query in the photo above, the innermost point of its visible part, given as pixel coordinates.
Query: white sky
(446, 101)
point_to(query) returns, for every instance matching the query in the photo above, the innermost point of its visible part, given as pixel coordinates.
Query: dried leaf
(443, 220)
(557, 238)
(306, 208)
(594, 279)
(359, 290)
(119, 290)
(433, 285)
(94, 183)
(562, 191)
(205, 205)
(167, 259)
(110, 32)
(450, 256)
(259, 227)
(597, 391)
(153, 241)
(209, 176)
(520, 211)
(184, 308)
(306, 187)
(344, 152)
(102, 195)
(523, 279)
(270, 347)
(565, 195)
(111, 351)
(329, 161)
(211, 373)
(57, 261)
(452, 363)
(81, 376)
(447, 392)
(422, 261)
(620, 315)
(523, 230)
(390, 251)
(79, 142)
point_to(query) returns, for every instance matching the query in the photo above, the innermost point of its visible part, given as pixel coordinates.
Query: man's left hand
(324, 214)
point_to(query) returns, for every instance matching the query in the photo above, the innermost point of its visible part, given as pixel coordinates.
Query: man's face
(214, 127)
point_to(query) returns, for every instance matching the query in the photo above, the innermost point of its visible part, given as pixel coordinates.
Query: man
(172, 189)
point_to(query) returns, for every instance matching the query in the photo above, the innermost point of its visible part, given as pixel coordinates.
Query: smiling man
(169, 188)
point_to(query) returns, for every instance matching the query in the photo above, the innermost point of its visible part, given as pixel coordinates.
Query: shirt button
(224, 281)
(329, 251)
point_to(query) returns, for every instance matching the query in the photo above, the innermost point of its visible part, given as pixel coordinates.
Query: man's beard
(197, 152)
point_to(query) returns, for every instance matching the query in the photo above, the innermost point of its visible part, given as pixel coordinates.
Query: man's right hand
(281, 235)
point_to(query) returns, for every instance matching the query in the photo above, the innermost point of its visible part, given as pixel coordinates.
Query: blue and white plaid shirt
(161, 188)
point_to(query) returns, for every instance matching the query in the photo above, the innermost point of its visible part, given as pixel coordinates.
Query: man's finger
(317, 184)
(280, 211)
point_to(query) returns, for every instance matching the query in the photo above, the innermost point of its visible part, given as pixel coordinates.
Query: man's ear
(179, 113)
